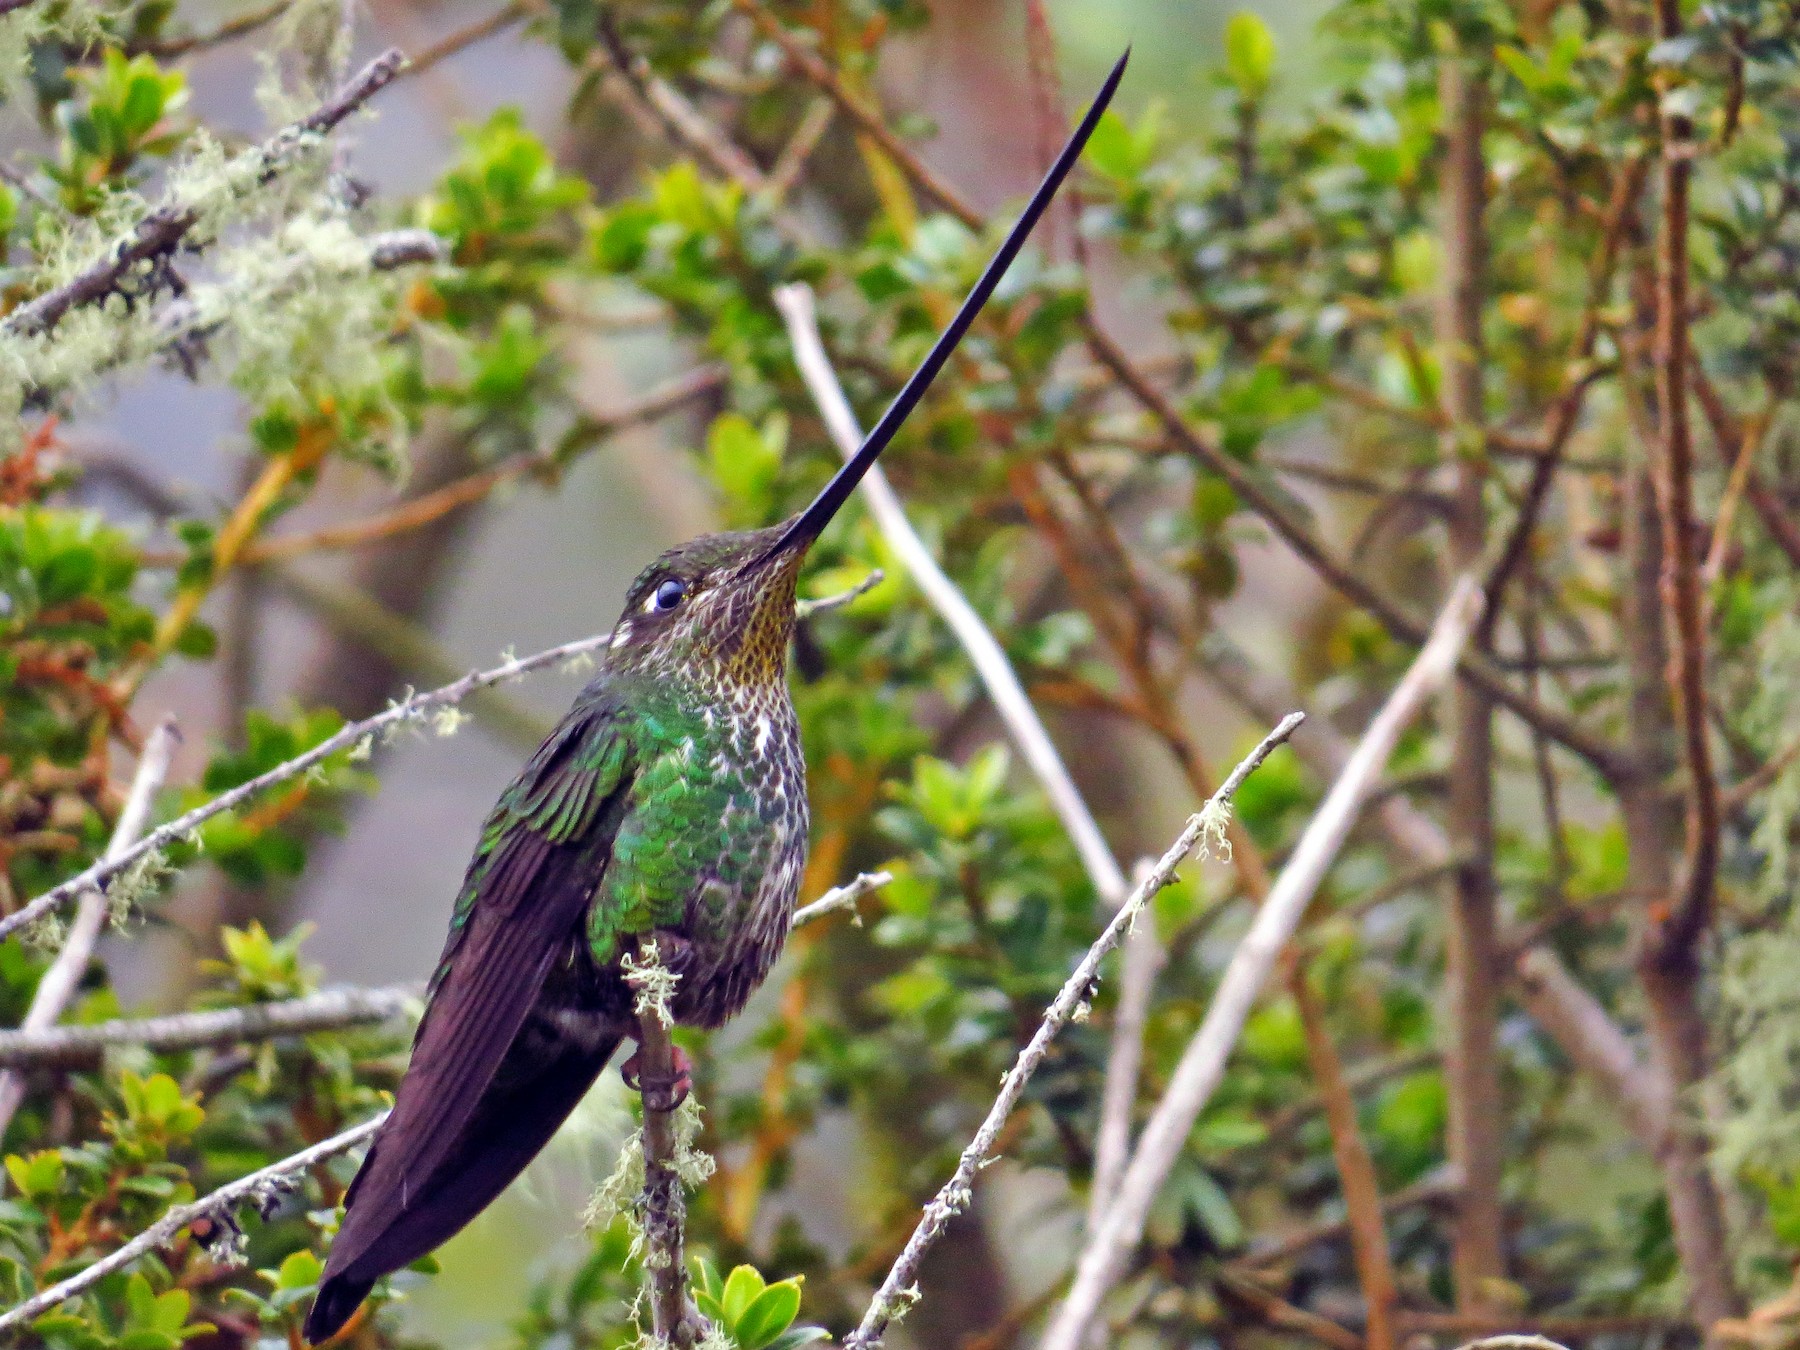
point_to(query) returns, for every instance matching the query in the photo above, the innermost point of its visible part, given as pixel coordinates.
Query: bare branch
(58, 984)
(260, 1187)
(451, 44)
(1438, 1189)
(898, 1291)
(329, 1010)
(1203, 1062)
(841, 897)
(1143, 961)
(662, 1203)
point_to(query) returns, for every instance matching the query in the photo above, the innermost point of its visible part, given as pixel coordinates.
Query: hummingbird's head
(717, 608)
(720, 608)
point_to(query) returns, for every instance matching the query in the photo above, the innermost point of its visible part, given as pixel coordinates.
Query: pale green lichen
(448, 720)
(76, 23)
(616, 1197)
(1215, 824)
(138, 882)
(654, 983)
(620, 1195)
(45, 934)
(290, 303)
(895, 1307)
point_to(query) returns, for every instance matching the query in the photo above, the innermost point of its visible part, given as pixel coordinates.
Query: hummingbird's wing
(542, 850)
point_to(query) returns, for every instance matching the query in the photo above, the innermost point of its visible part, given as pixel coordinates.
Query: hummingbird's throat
(760, 620)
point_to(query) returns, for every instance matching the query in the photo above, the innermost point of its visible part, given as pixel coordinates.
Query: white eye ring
(665, 597)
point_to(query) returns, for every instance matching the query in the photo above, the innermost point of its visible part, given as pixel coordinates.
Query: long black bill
(810, 523)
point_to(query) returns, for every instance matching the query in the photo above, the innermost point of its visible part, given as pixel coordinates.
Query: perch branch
(662, 1204)
(898, 1291)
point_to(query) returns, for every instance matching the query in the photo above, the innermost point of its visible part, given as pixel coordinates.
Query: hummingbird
(669, 803)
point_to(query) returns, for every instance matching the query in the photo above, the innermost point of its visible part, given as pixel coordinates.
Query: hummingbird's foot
(660, 1094)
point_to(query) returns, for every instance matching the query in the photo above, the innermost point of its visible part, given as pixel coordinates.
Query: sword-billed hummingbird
(670, 801)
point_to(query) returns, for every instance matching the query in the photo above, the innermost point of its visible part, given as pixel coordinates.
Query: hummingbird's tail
(390, 1222)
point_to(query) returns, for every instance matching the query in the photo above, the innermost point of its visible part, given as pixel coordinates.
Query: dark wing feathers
(542, 851)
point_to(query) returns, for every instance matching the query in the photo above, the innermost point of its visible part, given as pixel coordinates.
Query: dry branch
(1203, 1062)
(898, 1291)
(259, 1187)
(328, 1010)
(59, 982)
(411, 709)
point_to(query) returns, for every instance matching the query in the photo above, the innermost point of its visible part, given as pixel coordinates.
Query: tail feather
(391, 1219)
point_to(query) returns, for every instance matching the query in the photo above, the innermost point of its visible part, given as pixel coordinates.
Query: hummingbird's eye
(668, 595)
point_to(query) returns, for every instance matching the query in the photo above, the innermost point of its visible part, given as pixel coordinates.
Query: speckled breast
(714, 843)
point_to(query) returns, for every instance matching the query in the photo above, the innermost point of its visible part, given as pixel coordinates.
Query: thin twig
(841, 897)
(240, 26)
(465, 37)
(165, 228)
(898, 1291)
(1143, 961)
(1438, 1189)
(418, 512)
(1356, 1169)
(328, 1010)
(59, 982)
(791, 163)
(1692, 909)
(1202, 1064)
(258, 1187)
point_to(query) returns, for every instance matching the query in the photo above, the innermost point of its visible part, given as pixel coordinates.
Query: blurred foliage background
(1352, 299)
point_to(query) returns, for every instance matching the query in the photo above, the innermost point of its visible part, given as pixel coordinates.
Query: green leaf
(742, 1287)
(198, 641)
(300, 1270)
(768, 1315)
(1249, 53)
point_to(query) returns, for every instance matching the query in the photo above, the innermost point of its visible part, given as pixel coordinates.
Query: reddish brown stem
(1477, 1136)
